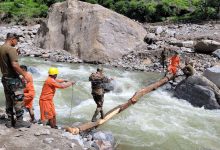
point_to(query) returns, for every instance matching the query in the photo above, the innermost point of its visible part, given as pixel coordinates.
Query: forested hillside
(160, 10)
(141, 10)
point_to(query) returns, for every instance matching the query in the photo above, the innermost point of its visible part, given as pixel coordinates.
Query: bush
(22, 10)
(207, 9)
(159, 10)
(121, 7)
(48, 2)
(109, 4)
(141, 10)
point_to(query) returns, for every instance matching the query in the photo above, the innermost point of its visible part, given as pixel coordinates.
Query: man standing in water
(188, 70)
(98, 80)
(13, 86)
(47, 108)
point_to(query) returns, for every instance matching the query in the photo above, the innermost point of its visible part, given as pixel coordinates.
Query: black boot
(95, 115)
(102, 114)
(10, 121)
(22, 124)
(33, 120)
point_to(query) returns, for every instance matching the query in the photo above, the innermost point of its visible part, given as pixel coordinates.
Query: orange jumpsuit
(47, 108)
(29, 92)
(174, 63)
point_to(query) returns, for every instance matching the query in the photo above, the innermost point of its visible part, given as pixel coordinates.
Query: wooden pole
(120, 108)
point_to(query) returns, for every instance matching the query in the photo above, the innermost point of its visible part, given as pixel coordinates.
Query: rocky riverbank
(182, 38)
(45, 138)
(27, 48)
(145, 57)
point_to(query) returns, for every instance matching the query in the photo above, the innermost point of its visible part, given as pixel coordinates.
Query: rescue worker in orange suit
(29, 94)
(47, 108)
(174, 64)
(97, 81)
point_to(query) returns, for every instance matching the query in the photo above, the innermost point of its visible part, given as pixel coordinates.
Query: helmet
(53, 71)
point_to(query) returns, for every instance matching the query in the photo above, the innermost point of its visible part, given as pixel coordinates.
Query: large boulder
(199, 91)
(89, 31)
(188, 44)
(216, 53)
(150, 38)
(206, 46)
(100, 140)
(104, 136)
(213, 74)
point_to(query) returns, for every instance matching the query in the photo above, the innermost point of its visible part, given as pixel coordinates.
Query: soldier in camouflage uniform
(188, 70)
(12, 83)
(97, 82)
(163, 58)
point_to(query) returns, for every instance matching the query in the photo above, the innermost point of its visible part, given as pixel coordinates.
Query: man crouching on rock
(97, 83)
(47, 108)
(13, 86)
(188, 70)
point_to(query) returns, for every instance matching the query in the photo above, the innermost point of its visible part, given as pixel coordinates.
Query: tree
(48, 2)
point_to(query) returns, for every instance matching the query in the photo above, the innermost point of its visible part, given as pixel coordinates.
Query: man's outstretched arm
(18, 69)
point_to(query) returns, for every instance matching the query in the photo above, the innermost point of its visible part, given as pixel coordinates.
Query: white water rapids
(157, 122)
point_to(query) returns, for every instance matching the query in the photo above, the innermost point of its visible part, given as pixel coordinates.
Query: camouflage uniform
(13, 85)
(188, 70)
(163, 57)
(97, 80)
(13, 89)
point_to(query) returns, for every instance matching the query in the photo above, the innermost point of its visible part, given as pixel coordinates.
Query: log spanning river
(157, 122)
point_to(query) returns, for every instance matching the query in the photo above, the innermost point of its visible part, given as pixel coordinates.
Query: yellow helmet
(53, 71)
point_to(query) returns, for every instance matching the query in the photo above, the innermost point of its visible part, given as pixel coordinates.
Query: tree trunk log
(120, 108)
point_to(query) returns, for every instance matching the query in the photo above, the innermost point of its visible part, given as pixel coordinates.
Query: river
(157, 122)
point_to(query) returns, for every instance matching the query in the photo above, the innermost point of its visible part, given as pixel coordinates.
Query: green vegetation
(141, 10)
(47, 2)
(160, 10)
(20, 11)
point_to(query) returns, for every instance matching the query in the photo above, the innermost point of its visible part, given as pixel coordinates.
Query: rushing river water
(157, 122)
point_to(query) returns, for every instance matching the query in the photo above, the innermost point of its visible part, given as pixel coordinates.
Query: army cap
(12, 36)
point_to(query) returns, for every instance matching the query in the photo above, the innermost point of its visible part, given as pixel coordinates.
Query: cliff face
(91, 32)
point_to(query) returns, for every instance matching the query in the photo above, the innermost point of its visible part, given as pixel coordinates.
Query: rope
(71, 105)
(76, 82)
